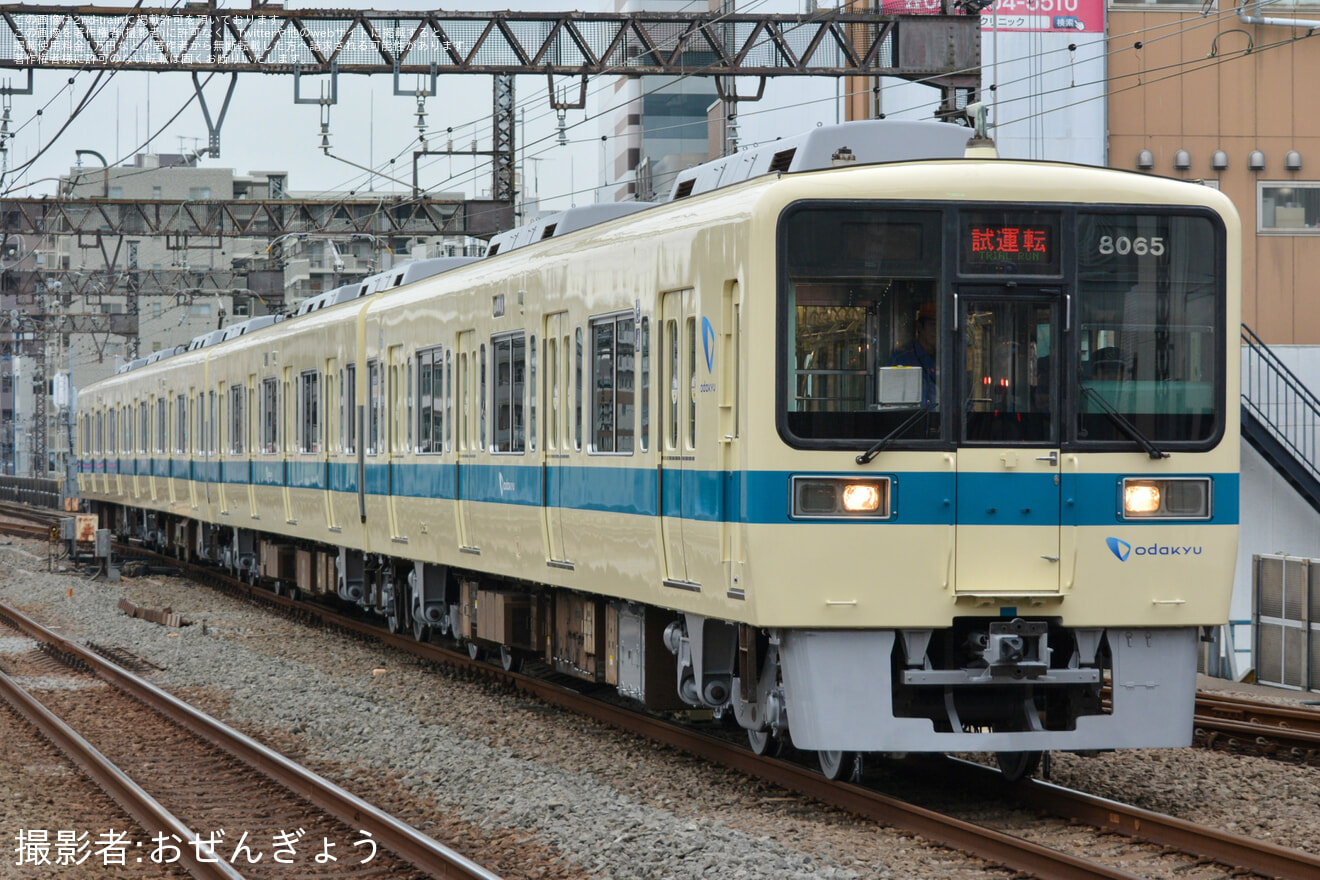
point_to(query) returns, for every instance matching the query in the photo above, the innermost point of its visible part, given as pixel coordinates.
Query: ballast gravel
(540, 794)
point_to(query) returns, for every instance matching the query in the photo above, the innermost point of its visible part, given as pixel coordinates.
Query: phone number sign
(1063, 16)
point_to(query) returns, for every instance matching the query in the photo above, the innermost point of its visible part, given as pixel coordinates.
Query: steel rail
(403, 840)
(989, 844)
(995, 846)
(1235, 850)
(1284, 737)
(1221, 707)
(144, 809)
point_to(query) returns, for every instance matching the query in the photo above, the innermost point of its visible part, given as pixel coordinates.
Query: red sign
(1044, 16)
(991, 244)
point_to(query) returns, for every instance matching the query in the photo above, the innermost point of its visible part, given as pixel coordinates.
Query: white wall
(1274, 518)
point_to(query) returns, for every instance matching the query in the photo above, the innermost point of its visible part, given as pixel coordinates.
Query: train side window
(612, 372)
(531, 393)
(577, 390)
(426, 420)
(389, 410)
(464, 401)
(309, 416)
(350, 422)
(110, 427)
(213, 439)
(551, 393)
(372, 440)
(236, 394)
(449, 400)
(509, 367)
(100, 431)
(408, 407)
(644, 397)
(161, 423)
(481, 399)
(288, 414)
(181, 424)
(671, 369)
(270, 415)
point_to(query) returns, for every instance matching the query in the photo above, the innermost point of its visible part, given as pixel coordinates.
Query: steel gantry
(942, 50)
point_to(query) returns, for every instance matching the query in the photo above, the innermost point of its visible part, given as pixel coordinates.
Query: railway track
(1004, 849)
(1234, 851)
(187, 779)
(1244, 725)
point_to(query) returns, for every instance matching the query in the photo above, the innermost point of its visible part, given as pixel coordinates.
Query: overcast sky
(266, 131)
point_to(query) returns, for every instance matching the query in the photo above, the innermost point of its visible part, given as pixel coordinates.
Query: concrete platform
(1258, 691)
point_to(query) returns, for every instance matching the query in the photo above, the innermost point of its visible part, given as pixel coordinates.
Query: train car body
(702, 453)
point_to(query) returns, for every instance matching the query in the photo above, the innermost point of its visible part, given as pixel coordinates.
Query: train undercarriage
(1016, 686)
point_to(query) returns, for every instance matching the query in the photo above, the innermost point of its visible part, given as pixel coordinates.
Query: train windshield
(862, 317)
(882, 310)
(1149, 326)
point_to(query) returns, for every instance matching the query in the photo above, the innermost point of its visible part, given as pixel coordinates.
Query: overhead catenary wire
(1171, 30)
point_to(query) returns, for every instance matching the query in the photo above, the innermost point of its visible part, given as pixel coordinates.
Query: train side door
(465, 458)
(288, 415)
(394, 427)
(554, 451)
(677, 428)
(1008, 494)
(332, 415)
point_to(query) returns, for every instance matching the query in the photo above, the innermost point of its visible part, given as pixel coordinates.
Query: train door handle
(1052, 458)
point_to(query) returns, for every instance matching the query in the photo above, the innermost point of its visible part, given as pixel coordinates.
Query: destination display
(1006, 245)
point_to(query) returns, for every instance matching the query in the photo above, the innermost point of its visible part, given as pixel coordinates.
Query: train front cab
(1044, 505)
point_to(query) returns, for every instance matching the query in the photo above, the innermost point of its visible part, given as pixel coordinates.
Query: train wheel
(509, 660)
(837, 765)
(421, 632)
(474, 651)
(763, 742)
(392, 620)
(1017, 765)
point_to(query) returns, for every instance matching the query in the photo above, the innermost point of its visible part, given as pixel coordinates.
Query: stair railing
(1280, 401)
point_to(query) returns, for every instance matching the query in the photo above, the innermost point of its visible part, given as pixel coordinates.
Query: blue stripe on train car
(267, 472)
(1031, 499)
(236, 471)
(306, 474)
(433, 479)
(755, 497)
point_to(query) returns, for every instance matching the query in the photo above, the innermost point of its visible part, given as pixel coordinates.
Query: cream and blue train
(872, 451)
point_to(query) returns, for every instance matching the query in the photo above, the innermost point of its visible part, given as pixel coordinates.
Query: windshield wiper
(880, 444)
(1123, 424)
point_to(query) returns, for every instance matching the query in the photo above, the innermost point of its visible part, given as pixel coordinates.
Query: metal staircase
(1280, 417)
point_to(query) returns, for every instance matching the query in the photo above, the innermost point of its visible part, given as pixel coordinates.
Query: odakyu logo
(1122, 549)
(708, 343)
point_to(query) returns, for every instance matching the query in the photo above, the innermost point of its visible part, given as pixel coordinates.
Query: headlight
(1175, 498)
(840, 497)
